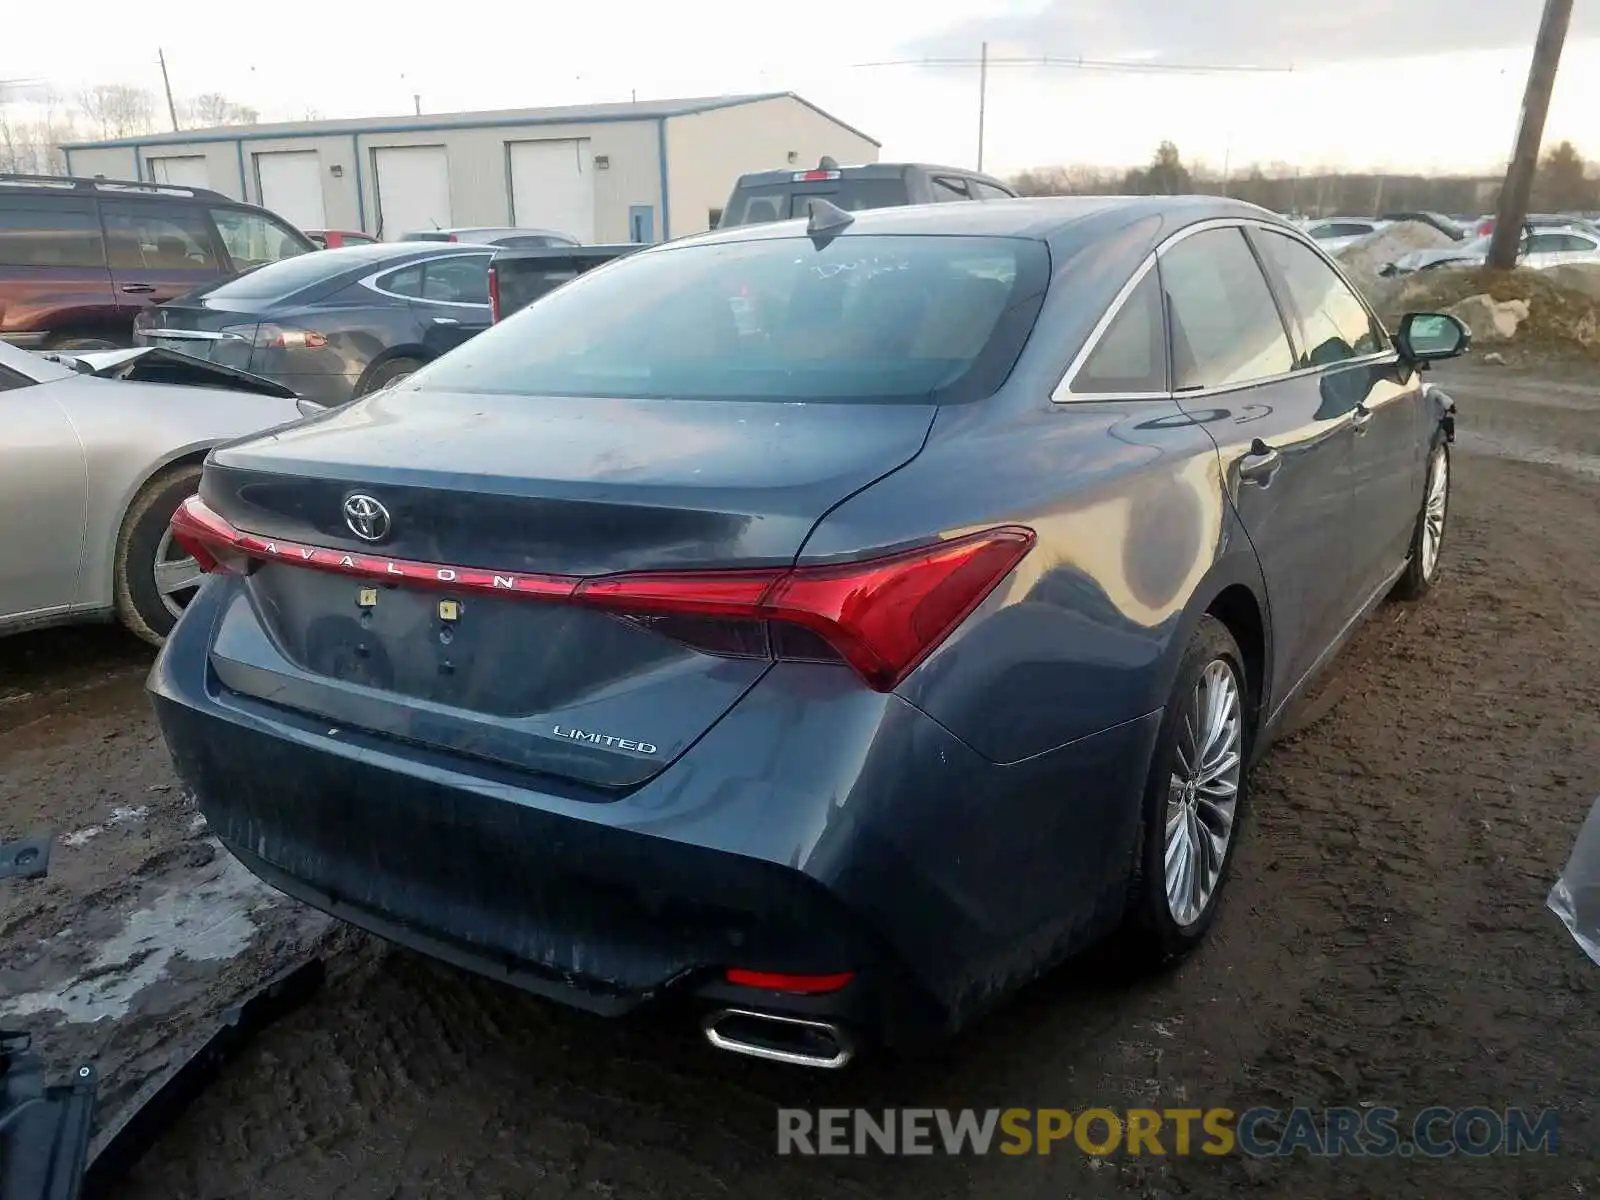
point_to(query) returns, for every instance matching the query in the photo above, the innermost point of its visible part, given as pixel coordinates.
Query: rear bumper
(817, 828)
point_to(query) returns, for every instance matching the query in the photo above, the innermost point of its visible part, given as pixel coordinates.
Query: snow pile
(1489, 319)
(1364, 259)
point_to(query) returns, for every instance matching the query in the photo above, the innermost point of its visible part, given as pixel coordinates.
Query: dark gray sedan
(826, 627)
(334, 325)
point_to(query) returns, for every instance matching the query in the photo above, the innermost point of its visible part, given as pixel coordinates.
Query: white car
(1333, 234)
(98, 452)
(1541, 249)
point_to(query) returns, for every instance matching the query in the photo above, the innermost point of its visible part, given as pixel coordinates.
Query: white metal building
(641, 171)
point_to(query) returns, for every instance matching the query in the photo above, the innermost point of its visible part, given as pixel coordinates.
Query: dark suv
(779, 195)
(79, 258)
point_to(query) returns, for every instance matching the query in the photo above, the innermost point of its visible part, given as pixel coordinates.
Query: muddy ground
(1385, 940)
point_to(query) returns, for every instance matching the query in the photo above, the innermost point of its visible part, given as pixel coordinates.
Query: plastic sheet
(1576, 895)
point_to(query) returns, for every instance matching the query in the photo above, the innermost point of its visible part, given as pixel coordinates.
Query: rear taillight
(882, 616)
(814, 176)
(494, 294)
(452, 238)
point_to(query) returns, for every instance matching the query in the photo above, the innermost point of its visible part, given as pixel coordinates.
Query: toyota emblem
(368, 519)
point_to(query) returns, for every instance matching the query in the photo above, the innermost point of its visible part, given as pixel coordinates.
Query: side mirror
(1430, 337)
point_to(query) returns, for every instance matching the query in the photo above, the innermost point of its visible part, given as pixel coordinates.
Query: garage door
(185, 170)
(552, 186)
(291, 186)
(413, 185)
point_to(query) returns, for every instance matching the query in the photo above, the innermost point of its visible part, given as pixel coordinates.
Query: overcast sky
(1432, 84)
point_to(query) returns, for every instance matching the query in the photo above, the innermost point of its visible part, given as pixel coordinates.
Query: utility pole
(172, 109)
(1525, 157)
(983, 97)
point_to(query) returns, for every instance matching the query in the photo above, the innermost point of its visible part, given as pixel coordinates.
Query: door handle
(138, 289)
(445, 321)
(1261, 464)
(1360, 418)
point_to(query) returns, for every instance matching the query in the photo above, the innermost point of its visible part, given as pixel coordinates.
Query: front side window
(253, 240)
(1131, 356)
(158, 237)
(1334, 324)
(922, 319)
(1224, 326)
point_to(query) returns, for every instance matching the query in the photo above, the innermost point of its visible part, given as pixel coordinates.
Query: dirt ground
(1385, 940)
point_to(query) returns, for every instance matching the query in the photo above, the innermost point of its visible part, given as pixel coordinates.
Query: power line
(1087, 64)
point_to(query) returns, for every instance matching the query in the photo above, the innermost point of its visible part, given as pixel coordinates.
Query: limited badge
(367, 597)
(449, 610)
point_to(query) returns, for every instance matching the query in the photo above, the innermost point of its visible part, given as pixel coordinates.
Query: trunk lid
(529, 486)
(219, 332)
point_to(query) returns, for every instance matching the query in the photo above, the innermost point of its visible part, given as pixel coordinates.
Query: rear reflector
(883, 616)
(804, 985)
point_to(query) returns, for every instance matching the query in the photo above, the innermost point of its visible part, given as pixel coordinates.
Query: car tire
(147, 601)
(1427, 539)
(385, 373)
(1191, 800)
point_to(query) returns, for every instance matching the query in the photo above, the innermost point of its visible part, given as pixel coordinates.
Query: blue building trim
(244, 190)
(661, 155)
(361, 190)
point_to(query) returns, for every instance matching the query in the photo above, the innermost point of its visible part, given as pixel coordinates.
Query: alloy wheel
(177, 574)
(1203, 794)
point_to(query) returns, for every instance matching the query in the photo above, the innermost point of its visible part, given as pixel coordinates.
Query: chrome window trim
(1062, 393)
(370, 282)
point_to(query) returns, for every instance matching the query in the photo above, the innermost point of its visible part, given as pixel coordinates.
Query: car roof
(877, 170)
(1037, 217)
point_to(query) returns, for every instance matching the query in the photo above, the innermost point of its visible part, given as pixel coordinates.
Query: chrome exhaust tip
(792, 1040)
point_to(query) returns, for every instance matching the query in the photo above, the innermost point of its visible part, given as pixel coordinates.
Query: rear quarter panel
(44, 299)
(130, 432)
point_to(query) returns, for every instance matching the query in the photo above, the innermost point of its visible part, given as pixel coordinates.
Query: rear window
(781, 201)
(866, 319)
(283, 278)
(50, 235)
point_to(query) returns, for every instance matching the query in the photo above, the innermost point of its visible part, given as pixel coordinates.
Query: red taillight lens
(801, 985)
(814, 176)
(211, 540)
(883, 616)
(452, 238)
(494, 295)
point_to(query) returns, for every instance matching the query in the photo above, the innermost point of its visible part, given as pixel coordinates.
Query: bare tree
(214, 108)
(118, 109)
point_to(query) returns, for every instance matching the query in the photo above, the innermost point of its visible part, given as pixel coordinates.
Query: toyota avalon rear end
(563, 660)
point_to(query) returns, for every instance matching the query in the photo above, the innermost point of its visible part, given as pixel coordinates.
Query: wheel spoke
(177, 574)
(1203, 791)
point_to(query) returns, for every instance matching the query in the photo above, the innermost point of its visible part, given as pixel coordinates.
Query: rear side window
(988, 191)
(158, 237)
(948, 188)
(1334, 324)
(868, 319)
(50, 235)
(463, 279)
(1131, 356)
(1224, 326)
(405, 282)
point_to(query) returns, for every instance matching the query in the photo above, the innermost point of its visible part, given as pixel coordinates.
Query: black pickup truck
(519, 277)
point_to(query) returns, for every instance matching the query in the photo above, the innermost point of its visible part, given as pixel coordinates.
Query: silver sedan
(93, 463)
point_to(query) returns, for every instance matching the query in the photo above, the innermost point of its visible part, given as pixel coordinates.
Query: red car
(332, 239)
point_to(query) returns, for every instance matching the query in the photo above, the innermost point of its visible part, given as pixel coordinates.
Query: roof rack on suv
(78, 183)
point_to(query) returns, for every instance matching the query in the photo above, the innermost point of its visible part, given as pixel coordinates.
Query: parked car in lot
(763, 196)
(1541, 247)
(1334, 234)
(518, 277)
(80, 258)
(337, 324)
(830, 626)
(336, 239)
(98, 453)
(486, 235)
